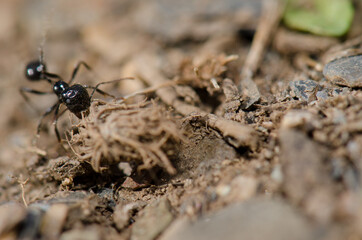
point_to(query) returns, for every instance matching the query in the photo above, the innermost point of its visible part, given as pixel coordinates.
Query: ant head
(34, 71)
(59, 87)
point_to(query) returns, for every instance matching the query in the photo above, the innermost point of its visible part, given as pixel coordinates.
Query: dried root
(143, 134)
(207, 74)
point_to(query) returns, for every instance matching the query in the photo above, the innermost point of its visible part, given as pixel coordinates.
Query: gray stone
(11, 214)
(345, 71)
(340, 91)
(31, 224)
(123, 213)
(68, 198)
(259, 218)
(302, 170)
(322, 95)
(53, 221)
(304, 89)
(152, 220)
(307, 180)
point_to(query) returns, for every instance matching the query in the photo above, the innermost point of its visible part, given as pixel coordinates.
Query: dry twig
(271, 14)
(235, 133)
(270, 18)
(22, 185)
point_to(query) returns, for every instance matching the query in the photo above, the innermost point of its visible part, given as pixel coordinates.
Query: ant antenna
(112, 81)
(46, 75)
(41, 53)
(47, 21)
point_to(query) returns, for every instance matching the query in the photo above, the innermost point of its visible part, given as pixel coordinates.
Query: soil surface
(231, 127)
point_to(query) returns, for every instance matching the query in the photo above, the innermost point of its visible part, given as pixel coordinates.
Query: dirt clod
(139, 134)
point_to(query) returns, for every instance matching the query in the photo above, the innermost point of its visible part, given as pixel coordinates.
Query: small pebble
(298, 118)
(11, 214)
(129, 183)
(303, 89)
(243, 187)
(126, 168)
(340, 91)
(322, 95)
(152, 220)
(345, 71)
(123, 213)
(223, 190)
(53, 221)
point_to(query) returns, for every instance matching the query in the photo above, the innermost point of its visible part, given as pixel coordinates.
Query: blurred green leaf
(321, 17)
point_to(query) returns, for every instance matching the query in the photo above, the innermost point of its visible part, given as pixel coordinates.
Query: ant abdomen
(76, 99)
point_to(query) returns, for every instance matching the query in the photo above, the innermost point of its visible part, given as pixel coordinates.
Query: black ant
(75, 97)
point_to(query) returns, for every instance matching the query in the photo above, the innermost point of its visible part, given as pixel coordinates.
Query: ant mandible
(75, 97)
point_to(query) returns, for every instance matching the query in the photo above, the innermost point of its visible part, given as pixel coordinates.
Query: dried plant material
(207, 74)
(270, 18)
(236, 134)
(143, 134)
(290, 42)
(65, 170)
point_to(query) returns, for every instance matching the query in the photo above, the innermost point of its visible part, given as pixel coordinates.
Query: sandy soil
(216, 137)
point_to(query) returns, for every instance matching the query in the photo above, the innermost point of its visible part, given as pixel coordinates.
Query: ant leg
(47, 112)
(104, 93)
(48, 77)
(99, 91)
(75, 71)
(24, 90)
(56, 115)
